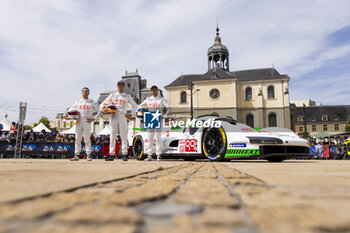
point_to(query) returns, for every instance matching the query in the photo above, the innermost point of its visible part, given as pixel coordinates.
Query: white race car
(228, 141)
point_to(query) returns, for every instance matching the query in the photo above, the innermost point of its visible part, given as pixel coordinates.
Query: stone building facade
(257, 97)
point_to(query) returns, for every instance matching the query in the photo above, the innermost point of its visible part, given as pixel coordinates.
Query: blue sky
(49, 49)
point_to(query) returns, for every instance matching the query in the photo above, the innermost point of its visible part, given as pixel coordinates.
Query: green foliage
(347, 127)
(160, 168)
(28, 127)
(303, 134)
(45, 121)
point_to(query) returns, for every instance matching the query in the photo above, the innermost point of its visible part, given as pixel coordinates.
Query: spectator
(31, 136)
(3, 136)
(11, 137)
(71, 138)
(41, 137)
(58, 138)
(335, 141)
(106, 139)
(98, 140)
(319, 150)
(54, 132)
(49, 137)
(65, 138)
(332, 151)
(13, 127)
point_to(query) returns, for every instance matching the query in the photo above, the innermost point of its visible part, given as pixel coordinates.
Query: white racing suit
(119, 121)
(86, 108)
(153, 104)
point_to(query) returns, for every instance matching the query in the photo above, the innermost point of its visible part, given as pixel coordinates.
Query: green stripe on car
(241, 152)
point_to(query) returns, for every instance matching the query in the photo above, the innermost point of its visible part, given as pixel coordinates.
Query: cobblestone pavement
(187, 197)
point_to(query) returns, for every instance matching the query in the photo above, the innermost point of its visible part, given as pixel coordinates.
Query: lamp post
(292, 116)
(191, 94)
(304, 110)
(191, 97)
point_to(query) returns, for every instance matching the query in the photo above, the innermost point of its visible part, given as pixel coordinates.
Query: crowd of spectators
(43, 136)
(328, 147)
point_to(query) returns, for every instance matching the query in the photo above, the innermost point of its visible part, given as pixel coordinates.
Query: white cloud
(50, 49)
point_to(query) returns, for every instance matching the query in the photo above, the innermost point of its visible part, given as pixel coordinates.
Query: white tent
(105, 131)
(40, 127)
(70, 131)
(5, 124)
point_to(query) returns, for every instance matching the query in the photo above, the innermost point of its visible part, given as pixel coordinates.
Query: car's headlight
(264, 140)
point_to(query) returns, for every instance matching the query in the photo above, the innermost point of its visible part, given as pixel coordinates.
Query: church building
(257, 97)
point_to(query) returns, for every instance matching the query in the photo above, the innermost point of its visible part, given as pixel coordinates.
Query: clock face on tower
(214, 93)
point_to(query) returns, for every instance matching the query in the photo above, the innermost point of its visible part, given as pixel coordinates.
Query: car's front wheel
(214, 144)
(138, 148)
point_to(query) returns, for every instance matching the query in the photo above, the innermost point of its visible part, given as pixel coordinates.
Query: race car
(226, 139)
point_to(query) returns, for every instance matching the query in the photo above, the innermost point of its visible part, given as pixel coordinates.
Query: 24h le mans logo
(151, 120)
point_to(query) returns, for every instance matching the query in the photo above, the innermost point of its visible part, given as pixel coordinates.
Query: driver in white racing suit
(86, 107)
(119, 119)
(155, 103)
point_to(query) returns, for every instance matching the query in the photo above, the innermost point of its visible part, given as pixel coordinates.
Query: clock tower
(218, 56)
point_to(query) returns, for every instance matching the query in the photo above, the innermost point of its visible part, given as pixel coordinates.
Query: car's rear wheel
(214, 144)
(276, 159)
(138, 148)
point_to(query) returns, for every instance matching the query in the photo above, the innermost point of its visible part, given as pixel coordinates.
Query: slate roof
(342, 112)
(241, 75)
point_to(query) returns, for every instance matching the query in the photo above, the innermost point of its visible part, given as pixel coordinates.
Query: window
(301, 129)
(336, 118)
(214, 93)
(272, 120)
(106, 123)
(183, 97)
(325, 127)
(313, 128)
(300, 118)
(250, 120)
(336, 127)
(271, 92)
(324, 118)
(248, 93)
(313, 119)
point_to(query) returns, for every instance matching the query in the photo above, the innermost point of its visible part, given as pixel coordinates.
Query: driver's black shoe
(125, 158)
(110, 158)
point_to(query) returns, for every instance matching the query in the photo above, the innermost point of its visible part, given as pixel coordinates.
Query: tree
(45, 121)
(28, 127)
(347, 127)
(304, 134)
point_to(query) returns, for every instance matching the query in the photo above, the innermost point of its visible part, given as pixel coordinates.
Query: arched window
(250, 120)
(271, 92)
(183, 97)
(248, 93)
(272, 120)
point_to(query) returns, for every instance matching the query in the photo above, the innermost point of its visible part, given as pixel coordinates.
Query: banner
(46, 148)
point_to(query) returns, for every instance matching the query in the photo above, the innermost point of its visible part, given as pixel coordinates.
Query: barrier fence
(54, 149)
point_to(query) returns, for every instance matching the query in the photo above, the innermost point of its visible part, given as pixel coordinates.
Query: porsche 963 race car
(229, 140)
